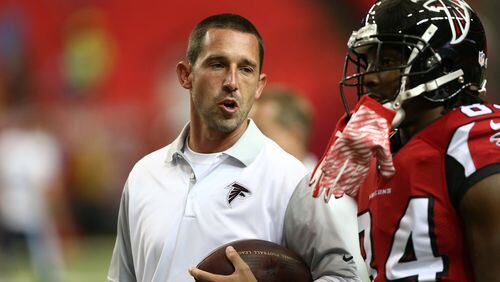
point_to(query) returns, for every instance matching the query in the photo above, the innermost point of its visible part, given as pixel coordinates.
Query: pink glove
(345, 164)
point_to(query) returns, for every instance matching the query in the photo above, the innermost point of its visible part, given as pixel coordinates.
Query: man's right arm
(122, 264)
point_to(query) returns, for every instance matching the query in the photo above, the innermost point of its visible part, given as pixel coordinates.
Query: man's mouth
(229, 105)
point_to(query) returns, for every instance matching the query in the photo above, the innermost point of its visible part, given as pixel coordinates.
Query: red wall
(142, 38)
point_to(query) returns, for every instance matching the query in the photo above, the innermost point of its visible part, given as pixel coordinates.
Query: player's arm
(481, 215)
(122, 266)
(313, 231)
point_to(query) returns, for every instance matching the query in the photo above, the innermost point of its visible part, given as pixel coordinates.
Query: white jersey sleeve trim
(459, 148)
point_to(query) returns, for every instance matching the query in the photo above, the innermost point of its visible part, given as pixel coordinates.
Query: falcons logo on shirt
(236, 190)
(457, 15)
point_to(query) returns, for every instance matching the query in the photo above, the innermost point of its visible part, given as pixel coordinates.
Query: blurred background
(87, 87)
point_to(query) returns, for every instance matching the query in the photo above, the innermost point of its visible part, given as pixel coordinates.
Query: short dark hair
(223, 21)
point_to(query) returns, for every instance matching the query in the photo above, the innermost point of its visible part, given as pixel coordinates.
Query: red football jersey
(409, 225)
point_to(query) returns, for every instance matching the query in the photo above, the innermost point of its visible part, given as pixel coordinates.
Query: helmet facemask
(418, 63)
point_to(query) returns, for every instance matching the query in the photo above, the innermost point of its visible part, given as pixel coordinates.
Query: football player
(437, 217)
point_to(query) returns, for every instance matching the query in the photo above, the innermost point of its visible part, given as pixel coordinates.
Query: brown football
(268, 261)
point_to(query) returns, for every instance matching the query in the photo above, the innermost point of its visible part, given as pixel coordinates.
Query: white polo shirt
(170, 218)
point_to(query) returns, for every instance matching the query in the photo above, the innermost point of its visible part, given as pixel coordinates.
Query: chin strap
(398, 117)
(431, 85)
(414, 92)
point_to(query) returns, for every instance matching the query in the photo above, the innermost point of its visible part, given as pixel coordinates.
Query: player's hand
(242, 272)
(347, 159)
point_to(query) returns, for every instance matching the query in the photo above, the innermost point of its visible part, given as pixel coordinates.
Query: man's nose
(231, 80)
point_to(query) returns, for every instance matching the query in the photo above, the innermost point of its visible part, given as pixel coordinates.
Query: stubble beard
(217, 121)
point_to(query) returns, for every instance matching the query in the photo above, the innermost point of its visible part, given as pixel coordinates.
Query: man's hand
(242, 272)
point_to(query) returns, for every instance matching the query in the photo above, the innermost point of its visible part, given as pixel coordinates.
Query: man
(285, 117)
(221, 180)
(437, 217)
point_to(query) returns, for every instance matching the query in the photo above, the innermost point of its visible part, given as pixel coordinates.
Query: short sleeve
(472, 155)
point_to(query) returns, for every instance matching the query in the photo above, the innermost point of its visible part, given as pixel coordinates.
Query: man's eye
(216, 65)
(247, 69)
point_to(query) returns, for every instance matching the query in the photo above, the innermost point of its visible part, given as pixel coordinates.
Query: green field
(84, 260)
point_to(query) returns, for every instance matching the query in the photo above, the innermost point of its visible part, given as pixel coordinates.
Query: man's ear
(184, 74)
(262, 84)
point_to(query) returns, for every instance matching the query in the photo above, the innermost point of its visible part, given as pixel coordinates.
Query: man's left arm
(481, 215)
(313, 231)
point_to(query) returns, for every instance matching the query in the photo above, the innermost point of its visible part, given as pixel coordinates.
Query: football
(268, 261)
